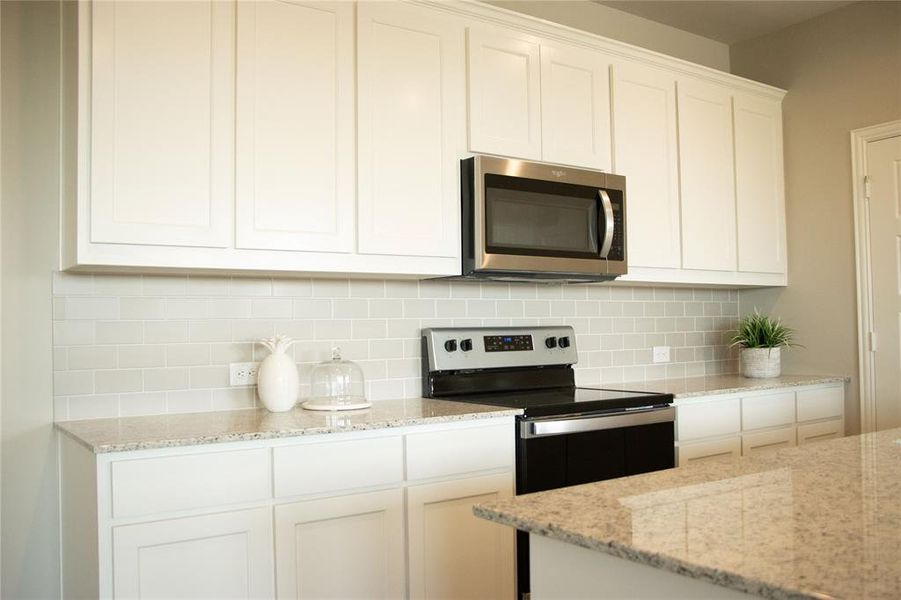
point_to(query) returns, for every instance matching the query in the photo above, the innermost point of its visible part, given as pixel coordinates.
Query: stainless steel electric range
(567, 435)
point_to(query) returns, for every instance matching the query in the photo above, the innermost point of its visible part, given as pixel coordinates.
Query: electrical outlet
(661, 354)
(243, 373)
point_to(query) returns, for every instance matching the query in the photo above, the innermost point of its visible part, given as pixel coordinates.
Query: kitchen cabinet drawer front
(225, 555)
(335, 466)
(823, 430)
(708, 419)
(708, 450)
(443, 453)
(766, 441)
(821, 403)
(316, 542)
(771, 410)
(160, 485)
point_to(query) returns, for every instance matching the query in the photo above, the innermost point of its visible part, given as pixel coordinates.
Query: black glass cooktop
(566, 400)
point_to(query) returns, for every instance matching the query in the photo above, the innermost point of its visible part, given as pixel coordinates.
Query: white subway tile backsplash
(92, 357)
(119, 332)
(149, 355)
(118, 380)
(133, 345)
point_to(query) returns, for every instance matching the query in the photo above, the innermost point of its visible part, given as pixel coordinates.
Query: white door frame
(859, 140)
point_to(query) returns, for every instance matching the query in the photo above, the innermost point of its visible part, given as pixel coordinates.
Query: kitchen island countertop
(165, 431)
(820, 520)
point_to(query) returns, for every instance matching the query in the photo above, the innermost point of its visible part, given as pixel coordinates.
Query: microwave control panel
(617, 248)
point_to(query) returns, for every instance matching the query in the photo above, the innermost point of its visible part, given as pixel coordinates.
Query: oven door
(538, 218)
(558, 452)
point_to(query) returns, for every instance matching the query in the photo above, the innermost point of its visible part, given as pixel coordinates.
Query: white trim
(859, 140)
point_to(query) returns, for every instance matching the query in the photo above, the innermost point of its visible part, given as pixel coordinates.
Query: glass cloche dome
(337, 384)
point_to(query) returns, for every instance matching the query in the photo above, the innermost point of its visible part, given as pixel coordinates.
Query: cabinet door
(759, 186)
(411, 77)
(504, 94)
(454, 554)
(162, 123)
(295, 126)
(645, 151)
(819, 431)
(575, 107)
(345, 547)
(226, 555)
(706, 177)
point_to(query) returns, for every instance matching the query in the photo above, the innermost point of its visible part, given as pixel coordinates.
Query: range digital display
(508, 343)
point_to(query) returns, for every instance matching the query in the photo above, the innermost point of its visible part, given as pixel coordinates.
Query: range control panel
(507, 343)
(453, 348)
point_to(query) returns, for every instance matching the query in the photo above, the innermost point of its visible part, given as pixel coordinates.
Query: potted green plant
(762, 339)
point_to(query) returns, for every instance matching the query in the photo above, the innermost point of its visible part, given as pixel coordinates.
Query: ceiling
(727, 21)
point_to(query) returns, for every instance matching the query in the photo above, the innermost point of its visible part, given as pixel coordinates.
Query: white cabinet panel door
(452, 553)
(344, 547)
(575, 107)
(707, 177)
(225, 555)
(162, 123)
(295, 126)
(504, 94)
(412, 116)
(645, 151)
(760, 194)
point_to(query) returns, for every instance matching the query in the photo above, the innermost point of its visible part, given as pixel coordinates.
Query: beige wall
(842, 71)
(30, 194)
(621, 26)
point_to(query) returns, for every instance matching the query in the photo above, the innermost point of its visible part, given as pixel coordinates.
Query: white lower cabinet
(453, 554)
(223, 555)
(756, 422)
(730, 446)
(345, 547)
(324, 516)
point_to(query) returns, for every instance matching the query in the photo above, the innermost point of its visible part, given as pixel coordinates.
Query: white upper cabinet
(295, 126)
(706, 177)
(504, 94)
(575, 107)
(760, 194)
(161, 118)
(646, 152)
(411, 129)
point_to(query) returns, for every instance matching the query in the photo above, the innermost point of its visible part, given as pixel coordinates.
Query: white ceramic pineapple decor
(277, 381)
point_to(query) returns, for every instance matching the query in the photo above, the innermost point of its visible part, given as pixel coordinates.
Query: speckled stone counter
(164, 431)
(725, 384)
(817, 521)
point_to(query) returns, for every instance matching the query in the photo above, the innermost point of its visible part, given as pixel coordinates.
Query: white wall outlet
(661, 354)
(243, 373)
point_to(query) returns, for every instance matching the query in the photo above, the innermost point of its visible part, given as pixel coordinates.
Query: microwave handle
(608, 223)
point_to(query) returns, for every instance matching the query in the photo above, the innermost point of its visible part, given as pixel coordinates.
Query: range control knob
(550, 342)
(564, 342)
(450, 345)
(466, 345)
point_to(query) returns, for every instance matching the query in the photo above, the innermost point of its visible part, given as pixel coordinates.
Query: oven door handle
(628, 418)
(608, 222)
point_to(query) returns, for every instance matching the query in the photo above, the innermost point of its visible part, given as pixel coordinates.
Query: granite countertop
(821, 520)
(726, 384)
(164, 431)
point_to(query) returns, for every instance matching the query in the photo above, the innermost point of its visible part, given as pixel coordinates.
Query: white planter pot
(278, 383)
(761, 362)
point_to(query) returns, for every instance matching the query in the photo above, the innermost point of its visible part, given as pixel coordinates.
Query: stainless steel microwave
(529, 221)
